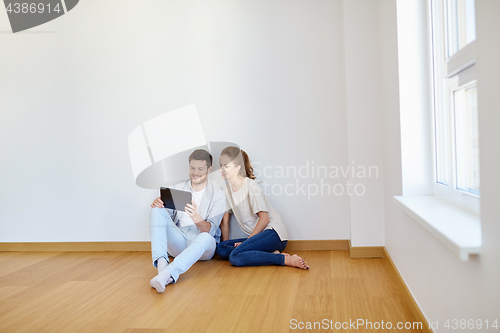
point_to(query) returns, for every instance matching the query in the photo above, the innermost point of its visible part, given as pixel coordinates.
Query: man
(191, 235)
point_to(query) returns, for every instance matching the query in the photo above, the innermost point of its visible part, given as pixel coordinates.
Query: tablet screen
(175, 199)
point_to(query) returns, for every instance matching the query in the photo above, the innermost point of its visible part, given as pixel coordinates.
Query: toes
(303, 264)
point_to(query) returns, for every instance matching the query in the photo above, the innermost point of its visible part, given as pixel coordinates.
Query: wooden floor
(110, 292)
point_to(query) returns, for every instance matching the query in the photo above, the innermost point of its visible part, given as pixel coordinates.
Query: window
(461, 24)
(438, 118)
(455, 112)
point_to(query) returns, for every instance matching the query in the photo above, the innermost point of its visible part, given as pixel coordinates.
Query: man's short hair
(201, 155)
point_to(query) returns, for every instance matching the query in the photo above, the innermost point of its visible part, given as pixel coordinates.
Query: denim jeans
(186, 245)
(254, 251)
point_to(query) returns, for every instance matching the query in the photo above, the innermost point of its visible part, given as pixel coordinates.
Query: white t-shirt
(184, 219)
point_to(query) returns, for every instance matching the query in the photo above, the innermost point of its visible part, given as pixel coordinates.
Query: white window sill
(458, 229)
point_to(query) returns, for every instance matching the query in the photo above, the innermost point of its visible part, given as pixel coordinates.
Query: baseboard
(366, 251)
(76, 246)
(293, 245)
(407, 296)
(317, 245)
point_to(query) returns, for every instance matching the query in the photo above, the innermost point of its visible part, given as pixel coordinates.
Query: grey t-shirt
(247, 202)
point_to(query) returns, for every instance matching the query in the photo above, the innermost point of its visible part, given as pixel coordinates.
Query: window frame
(457, 72)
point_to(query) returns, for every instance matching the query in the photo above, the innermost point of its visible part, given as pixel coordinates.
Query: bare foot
(295, 261)
(278, 252)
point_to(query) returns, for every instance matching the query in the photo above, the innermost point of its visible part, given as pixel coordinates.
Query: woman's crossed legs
(259, 250)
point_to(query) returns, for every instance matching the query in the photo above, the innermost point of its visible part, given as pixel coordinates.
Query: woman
(267, 235)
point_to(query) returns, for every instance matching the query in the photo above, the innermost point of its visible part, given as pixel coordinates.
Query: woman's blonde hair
(239, 157)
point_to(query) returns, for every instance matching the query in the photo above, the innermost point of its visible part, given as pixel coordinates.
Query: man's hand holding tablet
(192, 211)
(157, 203)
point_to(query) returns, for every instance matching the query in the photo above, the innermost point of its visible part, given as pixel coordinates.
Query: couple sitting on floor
(194, 234)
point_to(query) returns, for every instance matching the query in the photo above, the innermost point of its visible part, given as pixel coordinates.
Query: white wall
(443, 286)
(267, 75)
(364, 122)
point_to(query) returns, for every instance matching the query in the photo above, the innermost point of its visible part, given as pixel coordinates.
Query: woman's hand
(157, 203)
(261, 223)
(236, 244)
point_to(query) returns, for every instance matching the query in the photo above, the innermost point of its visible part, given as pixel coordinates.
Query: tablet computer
(175, 199)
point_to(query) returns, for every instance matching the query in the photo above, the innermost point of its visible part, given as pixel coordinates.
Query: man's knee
(155, 211)
(157, 216)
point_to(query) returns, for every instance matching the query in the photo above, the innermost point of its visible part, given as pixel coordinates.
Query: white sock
(161, 280)
(162, 263)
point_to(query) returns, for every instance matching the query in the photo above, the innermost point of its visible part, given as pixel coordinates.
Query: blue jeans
(254, 251)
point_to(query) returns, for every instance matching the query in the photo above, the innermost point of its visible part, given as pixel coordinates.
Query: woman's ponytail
(248, 166)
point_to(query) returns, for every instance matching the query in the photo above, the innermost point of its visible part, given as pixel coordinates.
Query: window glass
(467, 139)
(461, 24)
